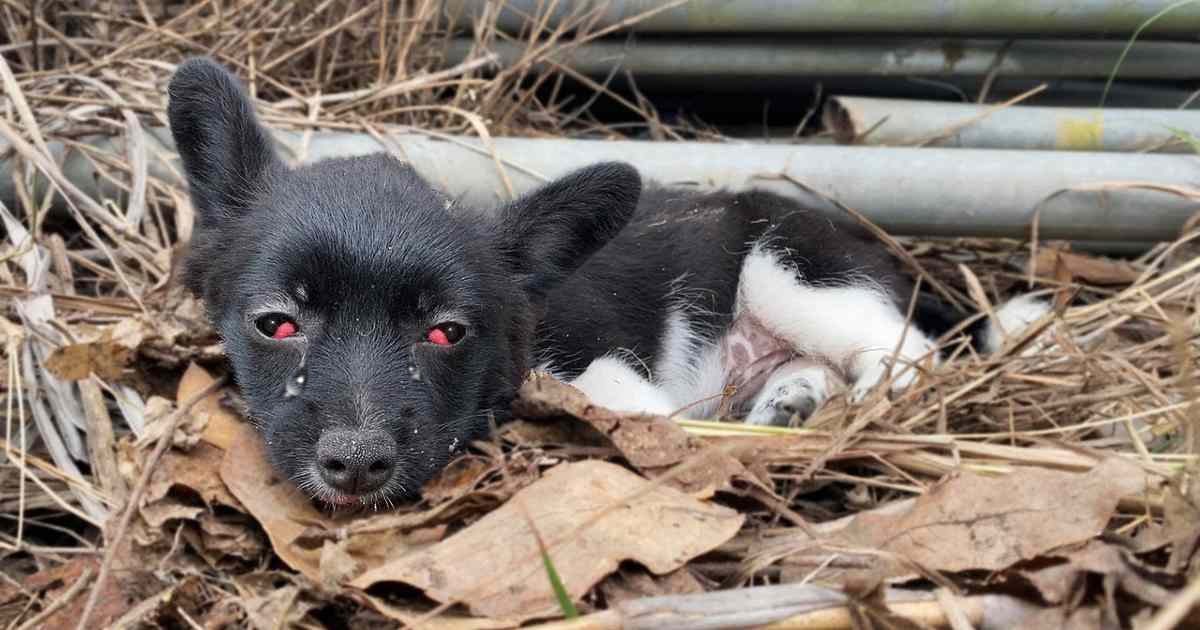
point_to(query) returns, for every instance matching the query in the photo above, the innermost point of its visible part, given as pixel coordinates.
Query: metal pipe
(918, 192)
(899, 122)
(958, 17)
(740, 60)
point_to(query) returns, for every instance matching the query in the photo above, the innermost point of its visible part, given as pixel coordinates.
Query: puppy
(375, 326)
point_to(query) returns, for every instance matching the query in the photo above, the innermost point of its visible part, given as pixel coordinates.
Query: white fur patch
(678, 349)
(1011, 319)
(613, 384)
(698, 393)
(856, 326)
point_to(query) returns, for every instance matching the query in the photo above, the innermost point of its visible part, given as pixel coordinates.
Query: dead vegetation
(1059, 474)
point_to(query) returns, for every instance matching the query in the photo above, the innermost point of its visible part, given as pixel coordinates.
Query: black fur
(367, 257)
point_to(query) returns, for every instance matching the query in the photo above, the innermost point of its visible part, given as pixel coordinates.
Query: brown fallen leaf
(1058, 584)
(121, 592)
(458, 478)
(185, 491)
(652, 444)
(105, 352)
(1087, 618)
(592, 515)
(1060, 264)
(969, 522)
(280, 608)
(194, 470)
(1181, 507)
(414, 616)
(631, 583)
(222, 426)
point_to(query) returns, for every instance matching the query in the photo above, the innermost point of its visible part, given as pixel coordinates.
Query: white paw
(793, 393)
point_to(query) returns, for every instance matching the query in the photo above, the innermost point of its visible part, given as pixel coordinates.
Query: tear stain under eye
(295, 383)
(413, 372)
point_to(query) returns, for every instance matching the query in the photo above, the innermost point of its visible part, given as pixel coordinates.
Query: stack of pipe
(915, 168)
(1004, 158)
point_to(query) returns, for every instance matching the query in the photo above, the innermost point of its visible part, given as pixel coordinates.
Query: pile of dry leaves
(1051, 485)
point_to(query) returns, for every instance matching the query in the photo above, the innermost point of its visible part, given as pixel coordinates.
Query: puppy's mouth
(340, 501)
(337, 500)
(343, 501)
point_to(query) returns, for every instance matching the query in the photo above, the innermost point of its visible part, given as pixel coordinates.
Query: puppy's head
(373, 326)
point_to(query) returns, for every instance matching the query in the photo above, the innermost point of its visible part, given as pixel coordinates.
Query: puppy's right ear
(226, 153)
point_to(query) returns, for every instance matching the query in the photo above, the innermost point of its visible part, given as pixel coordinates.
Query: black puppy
(374, 325)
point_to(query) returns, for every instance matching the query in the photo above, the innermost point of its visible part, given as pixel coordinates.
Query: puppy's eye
(446, 333)
(276, 326)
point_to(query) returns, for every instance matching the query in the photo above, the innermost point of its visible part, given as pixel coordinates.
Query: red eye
(446, 334)
(276, 326)
(285, 330)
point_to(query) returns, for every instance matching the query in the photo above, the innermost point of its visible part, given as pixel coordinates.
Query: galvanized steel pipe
(709, 59)
(901, 122)
(919, 192)
(957, 17)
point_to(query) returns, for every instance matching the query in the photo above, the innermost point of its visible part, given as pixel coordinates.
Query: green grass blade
(1144, 25)
(1186, 136)
(560, 591)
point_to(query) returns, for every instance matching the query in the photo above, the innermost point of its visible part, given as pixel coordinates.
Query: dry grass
(1118, 374)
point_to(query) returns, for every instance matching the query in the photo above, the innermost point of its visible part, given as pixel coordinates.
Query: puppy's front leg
(614, 384)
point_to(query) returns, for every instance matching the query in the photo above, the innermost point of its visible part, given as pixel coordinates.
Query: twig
(56, 605)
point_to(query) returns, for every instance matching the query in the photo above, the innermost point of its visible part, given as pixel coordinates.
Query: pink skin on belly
(750, 354)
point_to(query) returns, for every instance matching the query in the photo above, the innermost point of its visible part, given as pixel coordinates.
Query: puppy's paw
(792, 396)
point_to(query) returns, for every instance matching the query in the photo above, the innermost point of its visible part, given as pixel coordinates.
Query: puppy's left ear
(547, 234)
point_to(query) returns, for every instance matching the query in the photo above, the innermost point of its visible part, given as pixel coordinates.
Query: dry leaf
(122, 591)
(414, 616)
(631, 583)
(222, 426)
(603, 513)
(460, 477)
(277, 609)
(1088, 618)
(1181, 507)
(1058, 583)
(106, 354)
(1067, 266)
(185, 490)
(975, 522)
(653, 444)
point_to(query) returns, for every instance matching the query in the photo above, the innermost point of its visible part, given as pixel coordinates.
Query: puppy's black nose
(356, 461)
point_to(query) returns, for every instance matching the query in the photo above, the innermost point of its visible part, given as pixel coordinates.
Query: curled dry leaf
(418, 616)
(631, 583)
(1181, 527)
(1059, 583)
(969, 522)
(653, 444)
(186, 489)
(122, 591)
(280, 608)
(222, 427)
(592, 515)
(1059, 264)
(103, 351)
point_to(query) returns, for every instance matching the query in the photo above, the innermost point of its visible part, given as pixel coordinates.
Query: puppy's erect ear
(547, 234)
(226, 153)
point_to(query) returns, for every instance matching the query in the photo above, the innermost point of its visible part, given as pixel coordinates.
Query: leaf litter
(1054, 485)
